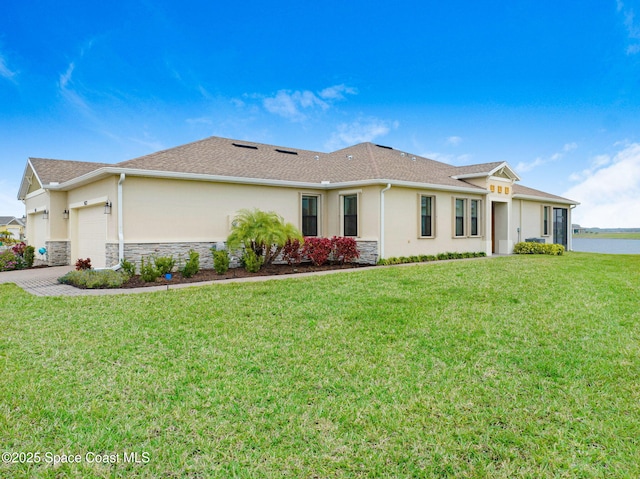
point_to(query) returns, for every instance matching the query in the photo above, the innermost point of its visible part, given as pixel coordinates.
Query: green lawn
(523, 366)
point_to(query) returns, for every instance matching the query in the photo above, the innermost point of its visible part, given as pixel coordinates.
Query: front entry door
(560, 216)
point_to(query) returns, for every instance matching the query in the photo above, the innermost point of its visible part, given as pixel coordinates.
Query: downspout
(388, 187)
(120, 221)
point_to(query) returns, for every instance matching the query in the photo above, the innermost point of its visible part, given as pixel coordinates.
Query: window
(461, 206)
(475, 217)
(546, 217)
(426, 215)
(309, 216)
(350, 215)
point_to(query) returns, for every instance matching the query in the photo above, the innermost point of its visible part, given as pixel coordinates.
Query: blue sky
(551, 87)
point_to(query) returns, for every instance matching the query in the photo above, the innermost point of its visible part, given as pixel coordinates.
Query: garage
(37, 231)
(92, 235)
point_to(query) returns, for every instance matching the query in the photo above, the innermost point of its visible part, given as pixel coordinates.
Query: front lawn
(523, 366)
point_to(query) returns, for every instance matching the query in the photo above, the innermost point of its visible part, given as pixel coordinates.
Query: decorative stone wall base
(134, 252)
(58, 253)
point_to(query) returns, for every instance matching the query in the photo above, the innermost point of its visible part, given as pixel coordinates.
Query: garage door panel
(92, 235)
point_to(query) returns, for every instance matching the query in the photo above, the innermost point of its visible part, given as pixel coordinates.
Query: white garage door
(37, 232)
(92, 235)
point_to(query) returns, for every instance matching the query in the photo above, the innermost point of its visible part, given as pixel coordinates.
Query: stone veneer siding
(134, 252)
(58, 253)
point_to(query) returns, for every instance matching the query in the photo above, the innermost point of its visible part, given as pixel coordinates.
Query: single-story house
(15, 226)
(393, 202)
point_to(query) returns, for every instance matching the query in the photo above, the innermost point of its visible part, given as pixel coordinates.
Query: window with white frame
(474, 216)
(350, 215)
(310, 215)
(460, 216)
(427, 216)
(546, 220)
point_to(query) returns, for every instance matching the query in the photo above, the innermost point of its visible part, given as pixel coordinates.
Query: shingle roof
(51, 171)
(245, 159)
(525, 190)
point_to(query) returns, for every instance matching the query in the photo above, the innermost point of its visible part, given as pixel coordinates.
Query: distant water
(611, 246)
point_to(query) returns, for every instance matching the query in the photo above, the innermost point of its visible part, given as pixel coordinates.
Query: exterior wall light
(107, 207)
(45, 215)
(65, 215)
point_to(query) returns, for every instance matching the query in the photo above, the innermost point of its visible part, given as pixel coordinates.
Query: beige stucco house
(394, 203)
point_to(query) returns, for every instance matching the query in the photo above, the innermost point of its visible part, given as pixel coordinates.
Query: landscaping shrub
(29, 256)
(221, 261)
(148, 272)
(292, 251)
(128, 267)
(83, 264)
(252, 262)
(538, 248)
(265, 233)
(423, 258)
(344, 249)
(92, 279)
(164, 264)
(317, 249)
(9, 261)
(193, 264)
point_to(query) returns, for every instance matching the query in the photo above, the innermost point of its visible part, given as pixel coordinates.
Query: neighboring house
(394, 203)
(15, 226)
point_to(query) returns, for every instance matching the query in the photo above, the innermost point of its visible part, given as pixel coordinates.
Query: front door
(560, 225)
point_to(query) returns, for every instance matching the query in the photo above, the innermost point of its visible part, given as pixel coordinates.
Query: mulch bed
(211, 275)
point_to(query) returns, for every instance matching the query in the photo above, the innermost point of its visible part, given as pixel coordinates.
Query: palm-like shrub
(263, 232)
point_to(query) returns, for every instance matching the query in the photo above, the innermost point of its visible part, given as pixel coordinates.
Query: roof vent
(316, 157)
(240, 145)
(403, 154)
(413, 158)
(349, 157)
(287, 152)
(385, 147)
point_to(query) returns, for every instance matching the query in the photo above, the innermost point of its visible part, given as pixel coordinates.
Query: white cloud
(5, 71)
(633, 29)
(525, 166)
(359, 131)
(457, 160)
(294, 105)
(336, 92)
(609, 191)
(454, 140)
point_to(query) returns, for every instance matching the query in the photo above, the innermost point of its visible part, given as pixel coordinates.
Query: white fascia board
(484, 174)
(543, 199)
(106, 171)
(22, 192)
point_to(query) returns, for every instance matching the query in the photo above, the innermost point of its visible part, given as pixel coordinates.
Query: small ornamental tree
(292, 252)
(263, 232)
(344, 249)
(317, 249)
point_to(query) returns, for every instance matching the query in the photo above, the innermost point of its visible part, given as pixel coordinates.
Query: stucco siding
(158, 210)
(402, 224)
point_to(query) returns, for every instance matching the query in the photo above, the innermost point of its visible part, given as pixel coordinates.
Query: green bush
(164, 264)
(221, 261)
(252, 262)
(128, 267)
(192, 266)
(92, 279)
(148, 272)
(538, 248)
(263, 232)
(425, 258)
(29, 256)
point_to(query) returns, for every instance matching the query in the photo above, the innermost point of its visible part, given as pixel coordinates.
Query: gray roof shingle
(225, 157)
